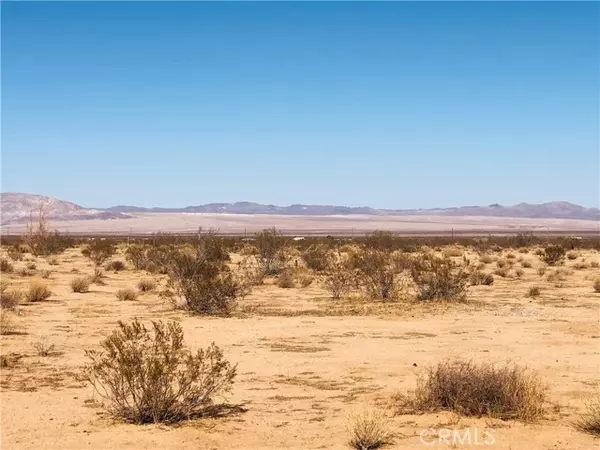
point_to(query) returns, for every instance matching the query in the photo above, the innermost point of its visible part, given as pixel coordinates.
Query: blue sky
(395, 105)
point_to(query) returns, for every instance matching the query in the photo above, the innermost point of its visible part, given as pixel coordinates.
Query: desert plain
(306, 362)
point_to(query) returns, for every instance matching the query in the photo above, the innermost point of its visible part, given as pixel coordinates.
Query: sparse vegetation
(126, 294)
(534, 291)
(471, 389)
(9, 299)
(315, 257)
(115, 266)
(271, 246)
(146, 285)
(338, 279)
(572, 255)
(553, 254)
(285, 280)
(589, 420)
(439, 279)
(80, 285)
(37, 292)
(369, 430)
(43, 347)
(597, 285)
(99, 250)
(151, 377)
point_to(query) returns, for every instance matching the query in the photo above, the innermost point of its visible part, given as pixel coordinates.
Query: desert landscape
(325, 349)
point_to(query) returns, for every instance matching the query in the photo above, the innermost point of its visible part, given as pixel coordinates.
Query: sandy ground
(240, 223)
(301, 371)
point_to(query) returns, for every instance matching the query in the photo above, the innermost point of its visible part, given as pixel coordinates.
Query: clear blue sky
(394, 105)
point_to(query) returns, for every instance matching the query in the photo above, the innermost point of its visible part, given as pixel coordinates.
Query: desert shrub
(136, 255)
(15, 252)
(31, 266)
(151, 377)
(377, 274)
(158, 259)
(589, 421)
(452, 252)
(6, 266)
(146, 285)
(519, 273)
(115, 266)
(126, 294)
(25, 272)
(471, 389)
(45, 274)
(315, 257)
(594, 264)
(8, 324)
(439, 279)
(200, 276)
(9, 299)
(571, 255)
(98, 277)
(541, 271)
(305, 280)
(380, 240)
(557, 275)
(52, 261)
(285, 280)
(80, 285)
(501, 272)
(43, 348)
(247, 275)
(99, 250)
(339, 279)
(369, 430)
(271, 247)
(486, 259)
(477, 278)
(580, 266)
(597, 285)
(501, 263)
(510, 256)
(534, 291)
(37, 292)
(553, 254)
(526, 264)
(41, 241)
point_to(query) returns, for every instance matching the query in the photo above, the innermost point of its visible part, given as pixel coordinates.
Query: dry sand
(302, 372)
(240, 223)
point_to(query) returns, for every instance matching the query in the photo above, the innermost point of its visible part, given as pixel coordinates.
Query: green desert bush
(472, 389)
(99, 250)
(37, 292)
(200, 277)
(439, 279)
(80, 285)
(149, 376)
(553, 254)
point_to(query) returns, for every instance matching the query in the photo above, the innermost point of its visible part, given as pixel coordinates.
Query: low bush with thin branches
(315, 257)
(472, 389)
(553, 254)
(149, 376)
(99, 250)
(439, 279)
(339, 279)
(589, 420)
(37, 292)
(6, 266)
(81, 285)
(126, 294)
(146, 285)
(369, 429)
(9, 299)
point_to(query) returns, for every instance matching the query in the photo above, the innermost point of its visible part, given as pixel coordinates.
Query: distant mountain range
(18, 207)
